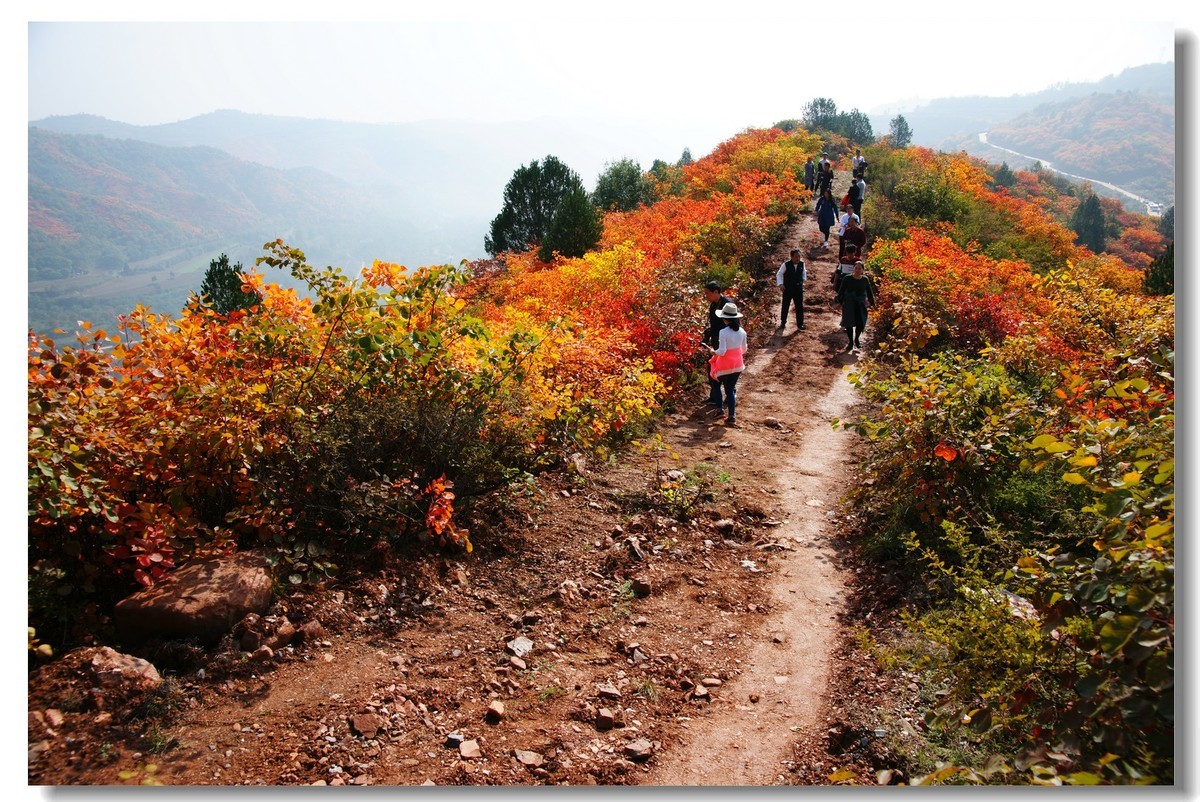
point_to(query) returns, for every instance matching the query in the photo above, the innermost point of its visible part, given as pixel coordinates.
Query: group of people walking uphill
(725, 336)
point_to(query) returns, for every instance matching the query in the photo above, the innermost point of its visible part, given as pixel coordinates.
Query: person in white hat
(727, 363)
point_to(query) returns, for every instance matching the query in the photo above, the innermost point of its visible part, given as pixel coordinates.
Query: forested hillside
(116, 222)
(1125, 139)
(943, 119)
(1120, 130)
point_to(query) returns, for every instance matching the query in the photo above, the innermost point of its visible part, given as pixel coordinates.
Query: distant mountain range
(936, 122)
(122, 214)
(1120, 129)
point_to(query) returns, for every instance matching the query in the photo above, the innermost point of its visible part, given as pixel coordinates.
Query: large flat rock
(203, 599)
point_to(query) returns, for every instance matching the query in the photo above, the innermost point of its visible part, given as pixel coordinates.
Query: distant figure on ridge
(791, 277)
(858, 164)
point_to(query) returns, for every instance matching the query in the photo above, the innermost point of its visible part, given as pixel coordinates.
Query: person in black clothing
(845, 266)
(855, 196)
(791, 277)
(824, 176)
(856, 294)
(716, 302)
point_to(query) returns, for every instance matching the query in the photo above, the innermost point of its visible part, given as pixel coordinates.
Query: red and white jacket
(728, 357)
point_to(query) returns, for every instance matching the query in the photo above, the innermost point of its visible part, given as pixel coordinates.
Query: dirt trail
(798, 378)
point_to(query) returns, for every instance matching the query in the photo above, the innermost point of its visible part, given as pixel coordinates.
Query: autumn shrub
(944, 430)
(1021, 467)
(372, 405)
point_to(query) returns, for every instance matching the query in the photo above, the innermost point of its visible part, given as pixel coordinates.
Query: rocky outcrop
(204, 599)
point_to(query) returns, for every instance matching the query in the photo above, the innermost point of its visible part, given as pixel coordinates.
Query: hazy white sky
(518, 60)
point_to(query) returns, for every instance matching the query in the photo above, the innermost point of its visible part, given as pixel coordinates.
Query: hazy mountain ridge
(1125, 138)
(114, 222)
(458, 168)
(148, 191)
(108, 199)
(943, 119)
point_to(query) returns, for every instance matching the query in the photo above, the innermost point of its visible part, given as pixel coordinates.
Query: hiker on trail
(856, 199)
(826, 212)
(847, 215)
(856, 293)
(791, 277)
(810, 174)
(825, 175)
(727, 364)
(858, 164)
(845, 266)
(854, 234)
(716, 301)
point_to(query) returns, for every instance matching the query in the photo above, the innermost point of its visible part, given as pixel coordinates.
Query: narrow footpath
(794, 386)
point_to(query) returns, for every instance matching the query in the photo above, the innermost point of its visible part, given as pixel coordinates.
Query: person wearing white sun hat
(727, 363)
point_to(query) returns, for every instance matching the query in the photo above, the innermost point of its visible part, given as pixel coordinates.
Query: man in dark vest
(716, 302)
(791, 277)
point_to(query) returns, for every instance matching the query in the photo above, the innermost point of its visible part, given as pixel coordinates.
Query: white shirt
(857, 161)
(862, 189)
(783, 269)
(731, 340)
(846, 219)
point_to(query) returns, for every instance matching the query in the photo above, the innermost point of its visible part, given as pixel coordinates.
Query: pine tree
(622, 186)
(1166, 223)
(1088, 224)
(575, 229)
(1160, 275)
(1004, 176)
(221, 290)
(531, 199)
(900, 132)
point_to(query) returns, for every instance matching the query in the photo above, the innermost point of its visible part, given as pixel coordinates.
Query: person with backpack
(791, 277)
(727, 362)
(825, 176)
(845, 266)
(826, 213)
(848, 215)
(854, 234)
